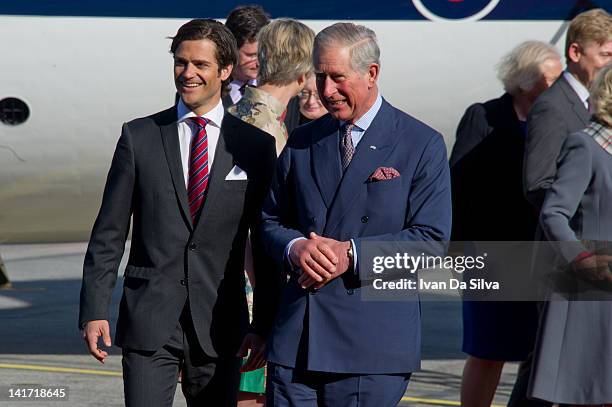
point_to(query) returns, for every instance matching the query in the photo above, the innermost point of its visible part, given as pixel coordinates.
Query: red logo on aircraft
(455, 10)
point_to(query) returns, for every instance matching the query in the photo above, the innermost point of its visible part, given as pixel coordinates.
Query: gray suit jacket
(556, 114)
(578, 204)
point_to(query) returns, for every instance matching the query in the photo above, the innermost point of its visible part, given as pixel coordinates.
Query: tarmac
(41, 347)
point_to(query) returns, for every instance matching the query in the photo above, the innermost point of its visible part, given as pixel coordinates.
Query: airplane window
(13, 111)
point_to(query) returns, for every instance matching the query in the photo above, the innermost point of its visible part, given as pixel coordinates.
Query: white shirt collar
(366, 120)
(215, 115)
(579, 88)
(234, 89)
(238, 84)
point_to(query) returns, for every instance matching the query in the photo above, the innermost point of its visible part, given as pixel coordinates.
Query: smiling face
(347, 94)
(310, 104)
(197, 75)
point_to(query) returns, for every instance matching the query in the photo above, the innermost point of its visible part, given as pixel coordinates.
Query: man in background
(563, 108)
(245, 22)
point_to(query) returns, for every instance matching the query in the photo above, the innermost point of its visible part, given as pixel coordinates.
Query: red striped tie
(198, 167)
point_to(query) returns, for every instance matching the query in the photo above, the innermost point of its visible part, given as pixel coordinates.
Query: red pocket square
(383, 174)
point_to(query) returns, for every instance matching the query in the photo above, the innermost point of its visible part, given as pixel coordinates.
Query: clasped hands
(321, 260)
(595, 267)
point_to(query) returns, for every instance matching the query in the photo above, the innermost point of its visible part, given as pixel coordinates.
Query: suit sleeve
(109, 234)
(277, 210)
(546, 132)
(429, 217)
(472, 129)
(564, 196)
(268, 278)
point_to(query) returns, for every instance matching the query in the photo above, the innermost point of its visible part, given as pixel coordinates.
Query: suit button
(192, 246)
(364, 219)
(183, 283)
(350, 291)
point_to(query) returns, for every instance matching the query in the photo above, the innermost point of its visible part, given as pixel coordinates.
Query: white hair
(360, 40)
(520, 70)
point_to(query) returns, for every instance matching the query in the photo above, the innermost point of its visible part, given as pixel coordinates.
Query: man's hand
(340, 250)
(316, 259)
(595, 268)
(256, 359)
(92, 332)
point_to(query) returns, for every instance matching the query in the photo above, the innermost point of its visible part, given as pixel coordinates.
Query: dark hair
(226, 51)
(245, 22)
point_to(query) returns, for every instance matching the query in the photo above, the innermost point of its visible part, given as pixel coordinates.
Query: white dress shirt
(579, 88)
(362, 124)
(235, 89)
(187, 129)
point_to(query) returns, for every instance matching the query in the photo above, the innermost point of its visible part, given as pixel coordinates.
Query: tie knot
(201, 122)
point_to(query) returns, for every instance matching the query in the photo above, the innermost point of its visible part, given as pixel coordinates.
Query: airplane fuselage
(82, 77)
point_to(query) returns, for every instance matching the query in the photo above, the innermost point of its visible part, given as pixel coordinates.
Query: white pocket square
(236, 174)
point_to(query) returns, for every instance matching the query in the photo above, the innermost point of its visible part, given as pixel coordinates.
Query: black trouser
(150, 378)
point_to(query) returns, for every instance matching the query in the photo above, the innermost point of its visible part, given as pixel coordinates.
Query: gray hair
(360, 40)
(601, 95)
(520, 70)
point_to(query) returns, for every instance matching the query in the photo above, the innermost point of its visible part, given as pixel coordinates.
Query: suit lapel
(170, 140)
(326, 161)
(222, 164)
(372, 152)
(581, 112)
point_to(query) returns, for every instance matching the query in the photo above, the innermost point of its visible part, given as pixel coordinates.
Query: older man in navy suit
(364, 172)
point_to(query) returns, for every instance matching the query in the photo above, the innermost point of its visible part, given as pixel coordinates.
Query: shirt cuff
(288, 250)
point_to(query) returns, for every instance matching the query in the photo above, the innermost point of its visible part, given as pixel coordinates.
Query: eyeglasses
(305, 95)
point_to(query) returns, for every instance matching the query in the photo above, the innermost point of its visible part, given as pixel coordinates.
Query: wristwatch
(350, 254)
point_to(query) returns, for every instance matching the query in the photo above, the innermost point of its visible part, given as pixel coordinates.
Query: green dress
(253, 381)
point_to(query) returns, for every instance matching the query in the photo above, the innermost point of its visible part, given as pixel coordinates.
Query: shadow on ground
(40, 317)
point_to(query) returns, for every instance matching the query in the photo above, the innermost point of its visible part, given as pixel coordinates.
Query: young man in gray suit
(192, 185)
(563, 108)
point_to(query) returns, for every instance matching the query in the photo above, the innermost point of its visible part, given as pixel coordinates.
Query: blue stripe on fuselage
(308, 10)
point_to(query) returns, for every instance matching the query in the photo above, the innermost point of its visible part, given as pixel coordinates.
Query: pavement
(41, 347)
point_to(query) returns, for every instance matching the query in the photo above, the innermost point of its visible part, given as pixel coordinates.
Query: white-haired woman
(489, 205)
(573, 359)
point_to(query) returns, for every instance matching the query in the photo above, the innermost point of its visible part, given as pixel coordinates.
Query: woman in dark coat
(489, 205)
